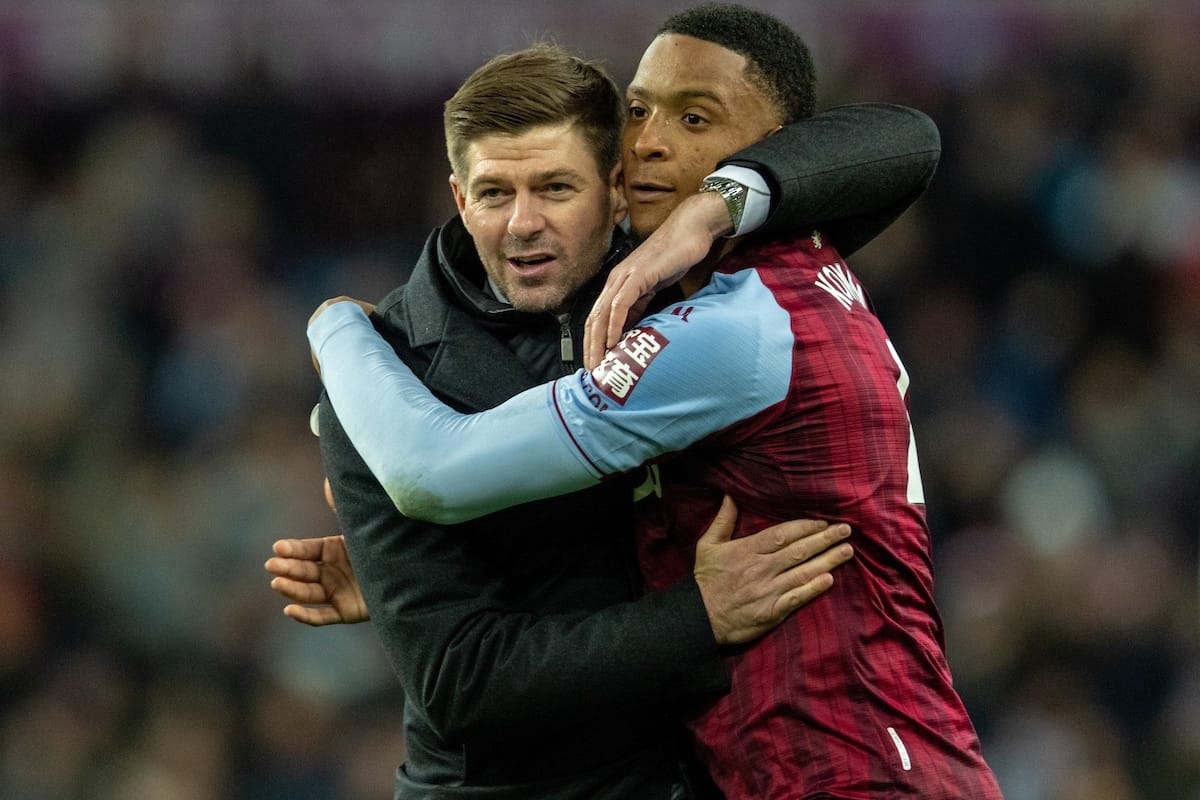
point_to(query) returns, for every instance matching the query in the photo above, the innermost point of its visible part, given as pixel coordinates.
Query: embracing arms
(849, 171)
(479, 669)
(444, 466)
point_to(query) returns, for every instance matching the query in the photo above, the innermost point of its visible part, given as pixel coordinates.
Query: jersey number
(916, 490)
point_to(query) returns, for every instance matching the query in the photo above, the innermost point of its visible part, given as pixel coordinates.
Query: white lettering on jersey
(901, 750)
(618, 379)
(623, 366)
(837, 280)
(916, 488)
(642, 348)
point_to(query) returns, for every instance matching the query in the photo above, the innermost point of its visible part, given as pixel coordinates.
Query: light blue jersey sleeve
(681, 375)
(435, 463)
(709, 362)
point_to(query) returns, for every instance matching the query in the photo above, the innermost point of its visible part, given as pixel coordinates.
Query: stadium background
(181, 183)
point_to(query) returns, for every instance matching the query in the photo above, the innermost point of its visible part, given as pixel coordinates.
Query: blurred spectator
(181, 183)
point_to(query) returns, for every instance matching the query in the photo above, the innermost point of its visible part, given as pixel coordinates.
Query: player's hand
(681, 242)
(316, 576)
(753, 583)
(368, 309)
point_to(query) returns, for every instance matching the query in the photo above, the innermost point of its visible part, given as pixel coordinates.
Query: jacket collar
(448, 310)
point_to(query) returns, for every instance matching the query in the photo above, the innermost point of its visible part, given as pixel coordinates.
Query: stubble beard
(556, 294)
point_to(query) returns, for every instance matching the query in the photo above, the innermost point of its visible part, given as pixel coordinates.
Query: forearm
(480, 669)
(433, 462)
(439, 465)
(855, 167)
(555, 672)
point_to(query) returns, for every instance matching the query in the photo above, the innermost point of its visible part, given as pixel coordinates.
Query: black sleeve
(482, 671)
(850, 170)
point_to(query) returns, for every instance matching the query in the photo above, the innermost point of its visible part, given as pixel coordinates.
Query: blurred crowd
(168, 223)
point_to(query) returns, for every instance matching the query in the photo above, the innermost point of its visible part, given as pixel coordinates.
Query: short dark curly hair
(779, 62)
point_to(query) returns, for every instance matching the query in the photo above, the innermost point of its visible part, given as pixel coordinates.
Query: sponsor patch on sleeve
(623, 365)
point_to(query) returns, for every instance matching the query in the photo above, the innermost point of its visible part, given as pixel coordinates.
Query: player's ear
(460, 196)
(616, 190)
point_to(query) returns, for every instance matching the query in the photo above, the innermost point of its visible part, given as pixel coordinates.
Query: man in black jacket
(531, 666)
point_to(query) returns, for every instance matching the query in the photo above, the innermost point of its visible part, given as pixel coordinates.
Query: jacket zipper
(566, 346)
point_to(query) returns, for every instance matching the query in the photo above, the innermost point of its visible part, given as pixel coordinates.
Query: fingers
(825, 561)
(808, 555)
(802, 595)
(365, 306)
(595, 330)
(721, 528)
(796, 568)
(342, 298)
(752, 583)
(809, 545)
(626, 295)
(308, 549)
(297, 569)
(785, 534)
(321, 310)
(299, 591)
(591, 350)
(593, 338)
(316, 617)
(618, 315)
(810, 578)
(812, 570)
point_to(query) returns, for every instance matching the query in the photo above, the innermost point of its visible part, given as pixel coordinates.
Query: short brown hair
(540, 85)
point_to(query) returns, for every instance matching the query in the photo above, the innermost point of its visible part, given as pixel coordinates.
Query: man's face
(690, 105)
(540, 212)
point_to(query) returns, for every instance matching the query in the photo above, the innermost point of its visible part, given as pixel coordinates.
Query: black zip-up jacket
(530, 665)
(524, 650)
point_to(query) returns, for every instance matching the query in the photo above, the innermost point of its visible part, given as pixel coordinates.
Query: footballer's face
(690, 105)
(540, 212)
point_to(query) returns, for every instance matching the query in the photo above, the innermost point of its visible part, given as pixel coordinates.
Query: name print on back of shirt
(837, 280)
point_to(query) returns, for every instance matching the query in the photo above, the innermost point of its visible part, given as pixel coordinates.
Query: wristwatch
(734, 195)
